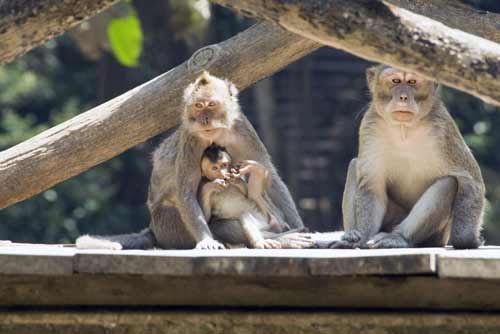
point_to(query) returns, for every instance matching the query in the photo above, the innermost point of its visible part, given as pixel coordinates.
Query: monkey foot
(388, 240)
(350, 239)
(209, 243)
(268, 244)
(296, 240)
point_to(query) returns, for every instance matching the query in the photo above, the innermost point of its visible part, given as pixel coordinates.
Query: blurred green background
(310, 108)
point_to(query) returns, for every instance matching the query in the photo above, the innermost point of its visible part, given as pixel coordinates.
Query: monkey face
(220, 169)
(211, 105)
(401, 97)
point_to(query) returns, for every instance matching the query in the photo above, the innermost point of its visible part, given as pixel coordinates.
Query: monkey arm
(362, 208)
(205, 200)
(187, 181)
(467, 213)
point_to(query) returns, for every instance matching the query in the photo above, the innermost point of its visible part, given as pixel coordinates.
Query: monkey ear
(233, 91)
(371, 72)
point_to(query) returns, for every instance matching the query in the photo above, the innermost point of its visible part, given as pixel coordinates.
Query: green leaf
(125, 37)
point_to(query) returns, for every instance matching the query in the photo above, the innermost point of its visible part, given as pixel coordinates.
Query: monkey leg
(228, 231)
(427, 222)
(243, 231)
(467, 214)
(348, 199)
(363, 212)
(169, 230)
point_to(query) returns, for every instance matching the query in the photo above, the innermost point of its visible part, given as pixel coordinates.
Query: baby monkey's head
(216, 163)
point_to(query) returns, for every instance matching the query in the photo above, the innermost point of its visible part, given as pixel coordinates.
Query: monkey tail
(142, 240)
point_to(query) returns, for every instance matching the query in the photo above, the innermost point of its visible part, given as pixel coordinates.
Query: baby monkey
(224, 194)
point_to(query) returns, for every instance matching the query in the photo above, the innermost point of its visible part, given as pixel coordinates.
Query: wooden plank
(36, 260)
(254, 262)
(352, 292)
(244, 321)
(483, 263)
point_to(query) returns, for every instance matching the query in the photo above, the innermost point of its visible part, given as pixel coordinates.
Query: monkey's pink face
(207, 116)
(217, 170)
(402, 95)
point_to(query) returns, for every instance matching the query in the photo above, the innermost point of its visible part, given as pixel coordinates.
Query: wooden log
(456, 14)
(26, 24)
(391, 35)
(127, 120)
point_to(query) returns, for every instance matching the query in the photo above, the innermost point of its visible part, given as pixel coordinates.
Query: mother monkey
(211, 115)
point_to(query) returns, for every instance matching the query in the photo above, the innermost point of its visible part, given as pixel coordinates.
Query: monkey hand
(251, 166)
(268, 244)
(351, 239)
(209, 243)
(219, 184)
(388, 240)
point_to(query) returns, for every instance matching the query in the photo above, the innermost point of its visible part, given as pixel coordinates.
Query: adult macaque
(225, 196)
(415, 182)
(211, 115)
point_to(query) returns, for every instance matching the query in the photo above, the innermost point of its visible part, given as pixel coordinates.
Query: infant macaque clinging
(224, 194)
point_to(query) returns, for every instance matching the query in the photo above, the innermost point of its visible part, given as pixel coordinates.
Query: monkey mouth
(403, 115)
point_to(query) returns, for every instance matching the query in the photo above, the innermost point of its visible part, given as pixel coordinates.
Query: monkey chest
(408, 174)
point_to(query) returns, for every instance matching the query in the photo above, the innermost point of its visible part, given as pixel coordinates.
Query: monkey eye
(198, 105)
(215, 168)
(412, 81)
(396, 81)
(211, 104)
(224, 165)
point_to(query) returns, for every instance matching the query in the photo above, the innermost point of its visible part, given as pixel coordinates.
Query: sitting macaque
(210, 114)
(415, 182)
(224, 194)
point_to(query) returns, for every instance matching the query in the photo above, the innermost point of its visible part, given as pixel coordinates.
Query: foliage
(125, 37)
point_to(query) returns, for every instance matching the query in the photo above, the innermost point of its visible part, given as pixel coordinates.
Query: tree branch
(127, 120)
(25, 24)
(388, 34)
(456, 14)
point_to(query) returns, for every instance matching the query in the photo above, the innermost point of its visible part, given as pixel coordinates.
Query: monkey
(217, 167)
(415, 183)
(224, 194)
(211, 114)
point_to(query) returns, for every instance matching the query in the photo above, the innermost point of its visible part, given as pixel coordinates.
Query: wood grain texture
(26, 24)
(203, 321)
(456, 14)
(388, 34)
(143, 112)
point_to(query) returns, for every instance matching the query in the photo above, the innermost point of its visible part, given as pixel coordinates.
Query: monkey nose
(205, 118)
(403, 97)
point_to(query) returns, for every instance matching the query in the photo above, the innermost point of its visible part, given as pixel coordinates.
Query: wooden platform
(431, 278)
(47, 288)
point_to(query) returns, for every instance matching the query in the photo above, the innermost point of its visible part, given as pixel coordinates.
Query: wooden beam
(456, 14)
(391, 35)
(143, 112)
(26, 24)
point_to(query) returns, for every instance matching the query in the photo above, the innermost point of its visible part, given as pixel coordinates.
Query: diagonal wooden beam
(26, 24)
(381, 32)
(127, 120)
